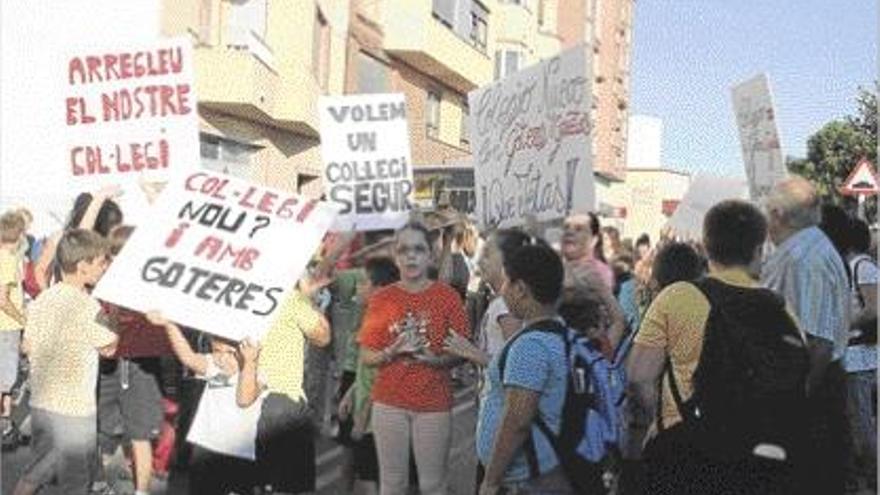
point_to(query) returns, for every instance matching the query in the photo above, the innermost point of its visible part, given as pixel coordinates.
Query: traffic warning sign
(862, 181)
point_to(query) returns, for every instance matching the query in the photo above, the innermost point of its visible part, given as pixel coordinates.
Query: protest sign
(758, 135)
(217, 253)
(704, 192)
(38, 38)
(531, 142)
(365, 149)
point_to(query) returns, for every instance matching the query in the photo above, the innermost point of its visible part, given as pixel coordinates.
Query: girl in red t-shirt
(402, 333)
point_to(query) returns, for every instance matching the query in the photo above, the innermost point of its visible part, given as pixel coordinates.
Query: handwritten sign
(34, 85)
(531, 142)
(704, 192)
(366, 154)
(758, 135)
(218, 254)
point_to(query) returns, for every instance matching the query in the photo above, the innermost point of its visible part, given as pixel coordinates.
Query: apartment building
(260, 67)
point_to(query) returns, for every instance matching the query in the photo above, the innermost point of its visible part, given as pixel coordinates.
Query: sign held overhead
(758, 135)
(366, 154)
(531, 142)
(218, 254)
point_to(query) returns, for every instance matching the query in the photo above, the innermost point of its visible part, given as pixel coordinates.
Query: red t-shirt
(404, 382)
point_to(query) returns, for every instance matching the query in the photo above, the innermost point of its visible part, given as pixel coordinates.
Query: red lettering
(77, 169)
(137, 157)
(94, 65)
(189, 186)
(165, 94)
(267, 201)
(183, 107)
(121, 165)
(125, 65)
(247, 196)
(110, 68)
(71, 112)
(163, 153)
(306, 211)
(139, 70)
(286, 209)
(75, 69)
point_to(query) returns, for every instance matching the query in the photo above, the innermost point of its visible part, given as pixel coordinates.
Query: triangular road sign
(862, 181)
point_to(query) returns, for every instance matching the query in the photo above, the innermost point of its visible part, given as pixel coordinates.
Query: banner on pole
(758, 135)
(217, 254)
(366, 154)
(530, 136)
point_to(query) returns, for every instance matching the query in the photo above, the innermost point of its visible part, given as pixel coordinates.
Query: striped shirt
(809, 273)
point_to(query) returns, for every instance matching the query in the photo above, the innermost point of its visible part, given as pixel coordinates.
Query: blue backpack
(591, 425)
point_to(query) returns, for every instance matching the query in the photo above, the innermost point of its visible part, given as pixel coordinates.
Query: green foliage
(834, 151)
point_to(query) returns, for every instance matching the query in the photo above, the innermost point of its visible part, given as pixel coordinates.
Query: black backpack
(588, 431)
(750, 382)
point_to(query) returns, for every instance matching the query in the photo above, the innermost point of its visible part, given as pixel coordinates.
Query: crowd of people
(743, 362)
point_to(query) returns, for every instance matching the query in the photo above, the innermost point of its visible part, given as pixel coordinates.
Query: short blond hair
(11, 227)
(80, 245)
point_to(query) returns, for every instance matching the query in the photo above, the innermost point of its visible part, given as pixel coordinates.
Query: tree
(834, 150)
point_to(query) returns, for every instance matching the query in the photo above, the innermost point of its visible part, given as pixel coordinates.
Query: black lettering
(234, 227)
(172, 276)
(235, 285)
(338, 114)
(247, 296)
(362, 198)
(151, 273)
(210, 285)
(197, 273)
(187, 210)
(270, 295)
(340, 194)
(381, 196)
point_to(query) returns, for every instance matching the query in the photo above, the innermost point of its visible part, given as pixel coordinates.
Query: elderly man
(809, 273)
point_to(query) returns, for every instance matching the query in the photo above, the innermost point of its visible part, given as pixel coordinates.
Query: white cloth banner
(217, 254)
(530, 135)
(704, 192)
(758, 135)
(366, 154)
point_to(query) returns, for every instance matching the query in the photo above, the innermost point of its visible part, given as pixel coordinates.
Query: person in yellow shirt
(12, 320)
(285, 437)
(63, 340)
(672, 334)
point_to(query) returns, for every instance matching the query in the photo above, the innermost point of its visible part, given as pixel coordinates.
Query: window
(321, 50)
(465, 119)
(432, 113)
(225, 155)
(247, 28)
(444, 11)
(507, 62)
(479, 27)
(372, 75)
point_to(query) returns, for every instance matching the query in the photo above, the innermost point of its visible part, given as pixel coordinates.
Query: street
(329, 457)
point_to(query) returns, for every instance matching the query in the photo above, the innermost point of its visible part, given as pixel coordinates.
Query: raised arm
(196, 362)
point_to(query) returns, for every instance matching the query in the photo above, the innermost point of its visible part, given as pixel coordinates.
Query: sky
(687, 54)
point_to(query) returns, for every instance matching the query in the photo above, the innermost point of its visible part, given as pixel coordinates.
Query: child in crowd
(12, 321)
(63, 341)
(356, 402)
(223, 433)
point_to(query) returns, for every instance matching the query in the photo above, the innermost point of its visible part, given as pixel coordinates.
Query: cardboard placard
(218, 254)
(531, 142)
(758, 135)
(366, 154)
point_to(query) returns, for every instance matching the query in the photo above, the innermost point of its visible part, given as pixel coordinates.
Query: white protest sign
(37, 38)
(366, 154)
(217, 253)
(531, 142)
(758, 135)
(704, 192)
